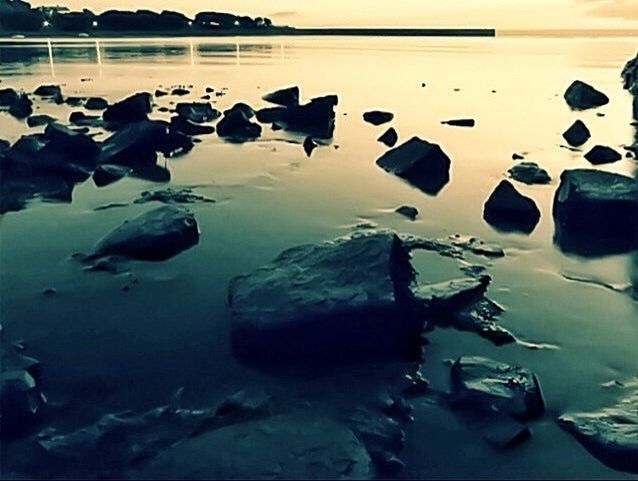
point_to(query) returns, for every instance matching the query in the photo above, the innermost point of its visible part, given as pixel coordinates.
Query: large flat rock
(156, 235)
(611, 433)
(332, 298)
(290, 446)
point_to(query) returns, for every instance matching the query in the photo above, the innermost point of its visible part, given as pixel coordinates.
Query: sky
(503, 14)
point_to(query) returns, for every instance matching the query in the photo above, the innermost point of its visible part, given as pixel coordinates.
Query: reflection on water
(171, 328)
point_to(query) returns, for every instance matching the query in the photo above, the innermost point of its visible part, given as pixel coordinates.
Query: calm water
(105, 349)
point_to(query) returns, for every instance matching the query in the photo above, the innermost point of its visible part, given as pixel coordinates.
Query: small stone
(601, 154)
(309, 145)
(577, 134)
(408, 211)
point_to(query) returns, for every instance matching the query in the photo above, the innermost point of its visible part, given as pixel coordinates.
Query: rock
(271, 114)
(132, 109)
(598, 204)
(581, 96)
(107, 174)
(21, 400)
(155, 235)
(134, 144)
(309, 145)
(175, 143)
(263, 448)
(504, 432)
(75, 145)
(287, 97)
(407, 211)
(389, 137)
(49, 91)
(197, 112)
(172, 196)
(600, 154)
(490, 386)
(459, 122)
(315, 118)
(236, 124)
(7, 97)
(74, 101)
(529, 173)
(420, 162)
(377, 117)
(382, 437)
(180, 92)
(347, 297)
(187, 127)
(40, 120)
(577, 134)
(507, 209)
(22, 107)
(516, 156)
(96, 103)
(160, 93)
(81, 119)
(630, 75)
(610, 433)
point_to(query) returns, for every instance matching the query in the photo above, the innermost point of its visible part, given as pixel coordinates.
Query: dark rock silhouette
(236, 124)
(344, 298)
(630, 75)
(54, 92)
(132, 109)
(156, 235)
(287, 97)
(136, 143)
(601, 154)
(577, 134)
(378, 117)
(460, 122)
(389, 137)
(96, 103)
(187, 127)
(529, 173)
(81, 119)
(40, 120)
(7, 97)
(610, 432)
(22, 107)
(309, 145)
(420, 162)
(491, 386)
(581, 96)
(407, 211)
(107, 174)
(198, 112)
(315, 118)
(507, 209)
(270, 115)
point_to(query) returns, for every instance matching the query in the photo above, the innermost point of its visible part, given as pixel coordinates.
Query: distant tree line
(18, 16)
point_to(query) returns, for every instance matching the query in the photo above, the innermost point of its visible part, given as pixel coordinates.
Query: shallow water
(105, 349)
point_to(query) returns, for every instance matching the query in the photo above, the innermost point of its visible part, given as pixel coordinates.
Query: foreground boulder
(490, 386)
(136, 143)
(461, 303)
(286, 97)
(577, 134)
(156, 235)
(107, 174)
(581, 96)
(507, 209)
(596, 204)
(289, 446)
(378, 117)
(601, 154)
(327, 301)
(315, 118)
(529, 173)
(611, 433)
(132, 109)
(420, 162)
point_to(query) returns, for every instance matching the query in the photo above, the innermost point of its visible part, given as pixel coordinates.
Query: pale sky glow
(504, 14)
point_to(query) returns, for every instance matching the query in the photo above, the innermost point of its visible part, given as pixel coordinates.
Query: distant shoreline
(37, 37)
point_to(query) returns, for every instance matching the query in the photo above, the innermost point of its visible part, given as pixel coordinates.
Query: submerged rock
(577, 134)
(601, 154)
(529, 173)
(378, 117)
(187, 127)
(96, 103)
(315, 118)
(596, 205)
(236, 124)
(341, 298)
(172, 196)
(156, 235)
(459, 122)
(611, 433)
(286, 97)
(507, 209)
(389, 137)
(407, 211)
(288, 446)
(420, 162)
(107, 174)
(132, 109)
(198, 112)
(53, 91)
(581, 96)
(491, 386)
